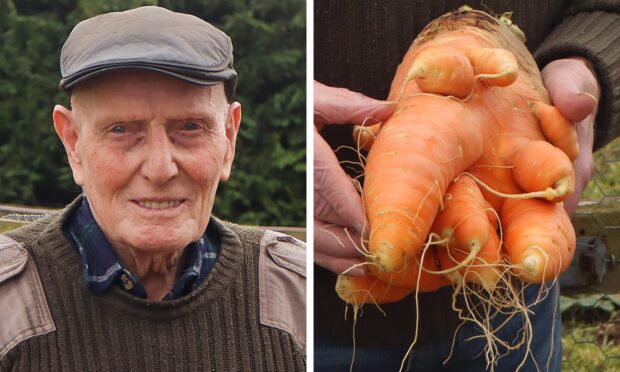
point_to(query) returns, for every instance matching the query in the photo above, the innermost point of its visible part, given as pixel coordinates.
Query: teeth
(160, 204)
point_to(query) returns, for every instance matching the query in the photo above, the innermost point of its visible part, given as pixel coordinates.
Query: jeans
(468, 354)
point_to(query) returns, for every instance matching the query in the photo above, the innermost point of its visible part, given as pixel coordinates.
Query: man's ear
(233, 120)
(65, 125)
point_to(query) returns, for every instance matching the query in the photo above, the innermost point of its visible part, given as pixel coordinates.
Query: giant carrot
(466, 178)
(432, 137)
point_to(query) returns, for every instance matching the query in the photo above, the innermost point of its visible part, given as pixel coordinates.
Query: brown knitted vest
(215, 328)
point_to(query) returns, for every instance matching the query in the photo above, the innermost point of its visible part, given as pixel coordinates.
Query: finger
(342, 106)
(335, 198)
(571, 203)
(584, 164)
(576, 97)
(337, 241)
(341, 265)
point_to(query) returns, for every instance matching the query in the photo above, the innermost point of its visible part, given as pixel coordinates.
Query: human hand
(575, 91)
(337, 204)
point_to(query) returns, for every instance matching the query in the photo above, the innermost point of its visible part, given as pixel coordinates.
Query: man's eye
(191, 126)
(118, 129)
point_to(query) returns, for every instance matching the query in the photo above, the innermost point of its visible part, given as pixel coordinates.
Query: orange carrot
(472, 247)
(453, 160)
(409, 167)
(441, 70)
(482, 270)
(491, 215)
(436, 70)
(368, 289)
(364, 136)
(432, 138)
(558, 130)
(464, 219)
(496, 66)
(408, 276)
(539, 238)
(541, 167)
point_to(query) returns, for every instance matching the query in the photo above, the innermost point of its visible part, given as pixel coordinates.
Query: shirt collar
(102, 268)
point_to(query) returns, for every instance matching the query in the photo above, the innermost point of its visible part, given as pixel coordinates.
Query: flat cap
(150, 38)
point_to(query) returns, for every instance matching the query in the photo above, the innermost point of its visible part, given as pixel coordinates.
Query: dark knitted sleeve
(591, 29)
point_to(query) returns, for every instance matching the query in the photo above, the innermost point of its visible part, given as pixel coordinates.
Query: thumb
(335, 198)
(342, 106)
(572, 86)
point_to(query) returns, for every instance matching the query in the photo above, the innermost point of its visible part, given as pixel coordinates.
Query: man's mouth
(159, 204)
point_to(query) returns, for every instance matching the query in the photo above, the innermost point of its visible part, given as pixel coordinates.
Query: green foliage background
(267, 186)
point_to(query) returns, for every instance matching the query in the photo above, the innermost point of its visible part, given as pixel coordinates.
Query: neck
(157, 270)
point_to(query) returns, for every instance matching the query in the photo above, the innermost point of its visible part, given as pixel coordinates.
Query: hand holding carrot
(575, 91)
(337, 205)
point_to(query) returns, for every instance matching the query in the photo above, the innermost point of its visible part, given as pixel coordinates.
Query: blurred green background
(267, 186)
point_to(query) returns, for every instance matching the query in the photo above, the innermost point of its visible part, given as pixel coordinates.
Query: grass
(7, 226)
(606, 180)
(585, 346)
(584, 349)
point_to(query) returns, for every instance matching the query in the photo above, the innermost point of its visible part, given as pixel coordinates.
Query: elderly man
(136, 274)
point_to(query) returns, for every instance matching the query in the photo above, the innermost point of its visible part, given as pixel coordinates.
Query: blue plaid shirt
(102, 268)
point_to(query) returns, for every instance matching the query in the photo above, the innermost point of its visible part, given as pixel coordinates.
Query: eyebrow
(116, 118)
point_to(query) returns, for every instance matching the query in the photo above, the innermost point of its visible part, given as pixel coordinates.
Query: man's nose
(159, 165)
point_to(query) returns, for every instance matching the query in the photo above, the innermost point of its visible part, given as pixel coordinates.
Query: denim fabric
(468, 354)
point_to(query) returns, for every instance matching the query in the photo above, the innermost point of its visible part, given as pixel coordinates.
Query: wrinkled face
(149, 152)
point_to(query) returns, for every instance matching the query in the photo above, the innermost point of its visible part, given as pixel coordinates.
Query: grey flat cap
(151, 38)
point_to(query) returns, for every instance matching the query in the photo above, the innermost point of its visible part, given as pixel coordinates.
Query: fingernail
(391, 104)
(589, 95)
(358, 271)
(369, 121)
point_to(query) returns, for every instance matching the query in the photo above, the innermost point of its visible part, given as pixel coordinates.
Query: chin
(161, 240)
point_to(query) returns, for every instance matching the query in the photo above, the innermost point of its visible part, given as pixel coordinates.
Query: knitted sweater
(358, 45)
(49, 321)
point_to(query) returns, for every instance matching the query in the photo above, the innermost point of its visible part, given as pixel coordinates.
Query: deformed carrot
(364, 136)
(468, 253)
(558, 129)
(464, 161)
(430, 139)
(496, 66)
(368, 289)
(491, 215)
(408, 276)
(482, 269)
(440, 140)
(409, 167)
(541, 167)
(539, 238)
(441, 70)
(464, 218)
